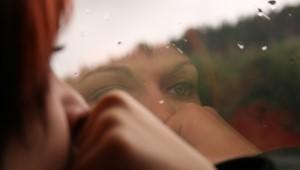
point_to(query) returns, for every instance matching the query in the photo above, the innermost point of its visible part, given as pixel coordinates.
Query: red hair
(29, 32)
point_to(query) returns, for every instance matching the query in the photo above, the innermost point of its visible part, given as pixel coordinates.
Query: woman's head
(28, 30)
(37, 108)
(165, 81)
(162, 79)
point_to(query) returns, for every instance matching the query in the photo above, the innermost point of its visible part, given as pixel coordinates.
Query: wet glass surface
(240, 58)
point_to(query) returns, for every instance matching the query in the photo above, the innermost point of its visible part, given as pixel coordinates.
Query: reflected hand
(210, 134)
(122, 134)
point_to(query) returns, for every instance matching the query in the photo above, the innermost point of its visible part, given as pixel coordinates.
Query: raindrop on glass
(161, 102)
(185, 40)
(272, 2)
(261, 14)
(75, 74)
(290, 14)
(264, 48)
(179, 50)
(267, 17)
(240, 46)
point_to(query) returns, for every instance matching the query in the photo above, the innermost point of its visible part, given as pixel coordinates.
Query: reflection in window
(249, 72)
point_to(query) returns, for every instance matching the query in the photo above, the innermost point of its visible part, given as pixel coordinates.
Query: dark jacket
(283, 159)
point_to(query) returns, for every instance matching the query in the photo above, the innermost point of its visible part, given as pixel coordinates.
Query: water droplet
(290, 14)
(119, 42)
(161, 102)
(264, 48)
(272, 2)
(261, 14)
(185, 40)
(267, 17)
(179, 50)
(240, 46)
(75, 74)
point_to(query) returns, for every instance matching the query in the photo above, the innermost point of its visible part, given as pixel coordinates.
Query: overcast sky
(100, 29)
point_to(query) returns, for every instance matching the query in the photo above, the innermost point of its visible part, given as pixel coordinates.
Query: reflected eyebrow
(179, 66)
(114, 69)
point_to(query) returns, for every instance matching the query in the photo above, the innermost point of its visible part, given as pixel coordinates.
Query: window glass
(241, 58)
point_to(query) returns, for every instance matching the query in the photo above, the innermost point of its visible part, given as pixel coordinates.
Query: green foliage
(254, 31)
(243, 76)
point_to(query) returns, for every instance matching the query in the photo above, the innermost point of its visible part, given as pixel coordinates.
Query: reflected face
(165, 81)
(161, 79)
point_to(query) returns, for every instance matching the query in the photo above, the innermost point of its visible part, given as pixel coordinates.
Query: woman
(39, 111)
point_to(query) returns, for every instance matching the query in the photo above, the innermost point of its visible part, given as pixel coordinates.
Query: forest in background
(249, 72)
(255, 59)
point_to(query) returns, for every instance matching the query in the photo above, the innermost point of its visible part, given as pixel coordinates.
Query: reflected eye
(182, 89)
(103, 90)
